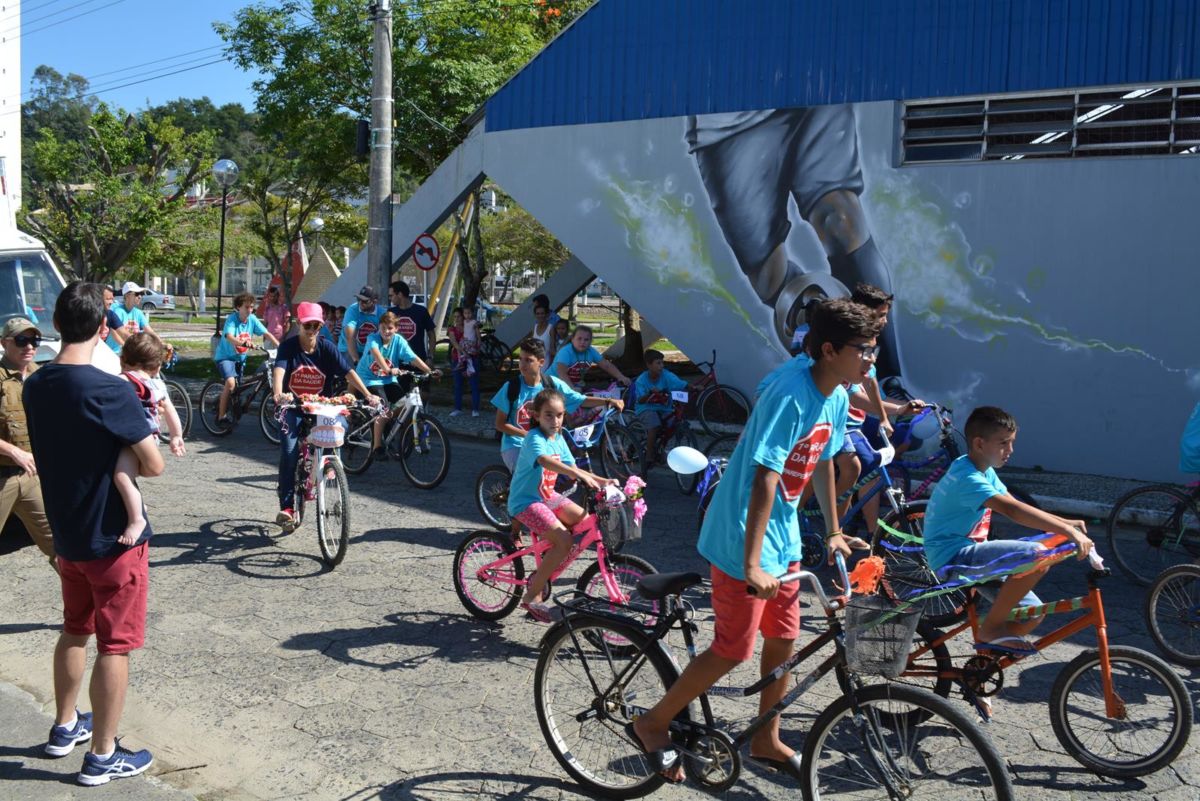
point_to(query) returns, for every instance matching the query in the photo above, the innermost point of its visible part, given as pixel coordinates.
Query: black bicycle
(179, 397)
(247, 392)
(602, 667)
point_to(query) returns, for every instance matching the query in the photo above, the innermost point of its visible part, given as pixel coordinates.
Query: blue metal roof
(637, 59)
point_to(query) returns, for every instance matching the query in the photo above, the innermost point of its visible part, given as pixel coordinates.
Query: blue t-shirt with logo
(520, 412)
(396, 353)
(655, 396)
(792, 427)
(577, 363)
(363, 323)
(531, 482)
(311, 373)
(236, 328)
(132, 320)
(956, 517)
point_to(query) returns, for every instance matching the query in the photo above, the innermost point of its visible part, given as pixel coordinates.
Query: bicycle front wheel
(356, 450)
(268, 418)
(491, 496)
(424, 452)
(183, 407)
(901, 742)
(1151, 529)
(1173, 614)
(333, 511)
(722, 409)
(582, 708)
(626, 572)
(906, 571)
(621, 455)
(210, 399)
(1153, 720)
(488, 591)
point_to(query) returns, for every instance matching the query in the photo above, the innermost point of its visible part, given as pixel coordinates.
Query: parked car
(153, 301)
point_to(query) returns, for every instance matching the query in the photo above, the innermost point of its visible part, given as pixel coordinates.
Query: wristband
(832, 534)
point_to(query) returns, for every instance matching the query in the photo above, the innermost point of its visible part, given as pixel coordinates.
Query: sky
(118, 42)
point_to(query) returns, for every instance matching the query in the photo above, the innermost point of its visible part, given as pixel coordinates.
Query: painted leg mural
(752, 164)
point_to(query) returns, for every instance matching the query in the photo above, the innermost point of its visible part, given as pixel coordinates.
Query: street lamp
(225, 173)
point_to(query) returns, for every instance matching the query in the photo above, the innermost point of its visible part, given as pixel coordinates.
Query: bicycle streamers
(866, 575)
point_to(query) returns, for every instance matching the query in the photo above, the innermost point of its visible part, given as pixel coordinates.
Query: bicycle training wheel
(582, 709)
(268, 419)
(900, 742)
(906, 571)
(1153, 720)
(356, 450)
(183, 407)
(488, 591)
(424, 452)
(620, 455)
(685, 436)
(210, 400)
(722, 409)
(333, 511)
(1173, 614)
(1151, 529)
(491, 496)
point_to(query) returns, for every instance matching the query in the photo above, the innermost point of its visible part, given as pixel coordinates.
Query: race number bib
(802, 461)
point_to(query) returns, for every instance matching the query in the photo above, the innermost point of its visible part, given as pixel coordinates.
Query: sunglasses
(312, 326)
(24, 341)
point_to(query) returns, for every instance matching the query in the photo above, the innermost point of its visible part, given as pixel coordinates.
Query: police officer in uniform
(20, 489)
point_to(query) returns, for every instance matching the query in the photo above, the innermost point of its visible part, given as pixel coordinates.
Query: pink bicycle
(489, 568)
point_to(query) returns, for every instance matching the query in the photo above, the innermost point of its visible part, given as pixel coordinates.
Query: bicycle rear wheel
(1151, 529)
(493, 353)
(183, 407)
(488, 593)
(268, 419)
(685, 436)
(1153, 724)
(333, 511)
(491, 496)
(1173, 614)
(583, 716)
(900, 742)
(722, 409)
(424, 452)
(907, 572)
(210, 399)
(356, 450)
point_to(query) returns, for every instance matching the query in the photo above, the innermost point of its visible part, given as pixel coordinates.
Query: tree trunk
(631, 356)
(473, 265)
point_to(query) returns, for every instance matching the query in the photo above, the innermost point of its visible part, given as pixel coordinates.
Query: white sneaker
(456, 413)
(475, 413)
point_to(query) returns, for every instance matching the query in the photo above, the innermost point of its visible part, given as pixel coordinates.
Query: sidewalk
(27, 774)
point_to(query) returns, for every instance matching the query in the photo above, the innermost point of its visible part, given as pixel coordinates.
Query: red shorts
(740, 615)
(107, 597)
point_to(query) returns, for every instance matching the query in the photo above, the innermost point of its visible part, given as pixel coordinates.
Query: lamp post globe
(225, 173)
(316, 225)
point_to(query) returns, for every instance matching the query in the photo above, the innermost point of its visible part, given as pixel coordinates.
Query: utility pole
(379, 235)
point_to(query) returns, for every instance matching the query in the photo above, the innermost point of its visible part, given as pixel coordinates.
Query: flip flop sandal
(542, 613)
(661, 760)
(790, 766)
(1012, 645)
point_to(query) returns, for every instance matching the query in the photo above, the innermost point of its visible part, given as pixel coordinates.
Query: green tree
(57, 103)
(516, 241)
(96, 199)
(232, 126)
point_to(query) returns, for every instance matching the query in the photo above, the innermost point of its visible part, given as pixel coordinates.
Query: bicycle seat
(660, 585)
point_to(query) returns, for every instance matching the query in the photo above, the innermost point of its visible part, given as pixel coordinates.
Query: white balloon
(686, 460)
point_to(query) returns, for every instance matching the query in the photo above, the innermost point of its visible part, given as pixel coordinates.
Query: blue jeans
(289, 455)
(458, 384)
(976, 560)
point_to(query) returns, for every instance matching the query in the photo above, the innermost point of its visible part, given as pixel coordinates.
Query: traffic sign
(426, 252)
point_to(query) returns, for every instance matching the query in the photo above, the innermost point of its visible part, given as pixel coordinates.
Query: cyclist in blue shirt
(241, 325)
(652, 391)
(751, 534)
(361, 320)
(379, 369)
(572, 363)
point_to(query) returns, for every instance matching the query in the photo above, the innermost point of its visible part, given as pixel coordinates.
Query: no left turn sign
(426, 252)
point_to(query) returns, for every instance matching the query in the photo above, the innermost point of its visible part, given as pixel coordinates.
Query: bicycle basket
(879, 635)
(326, 431)
(617, 525)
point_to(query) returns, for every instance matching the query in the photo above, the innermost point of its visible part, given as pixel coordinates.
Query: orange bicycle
(1121, 712)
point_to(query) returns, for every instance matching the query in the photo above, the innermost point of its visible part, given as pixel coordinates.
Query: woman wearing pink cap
(307, 364)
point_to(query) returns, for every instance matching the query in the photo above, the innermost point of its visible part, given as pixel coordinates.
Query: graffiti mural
(1060, 289)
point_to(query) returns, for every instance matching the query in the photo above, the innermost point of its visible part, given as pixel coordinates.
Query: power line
(23, 34)
(28, 21)
(31, 8)
(91, 78)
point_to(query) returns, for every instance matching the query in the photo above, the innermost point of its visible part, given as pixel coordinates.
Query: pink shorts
(740, 615)
(107, 597)
(539, 517)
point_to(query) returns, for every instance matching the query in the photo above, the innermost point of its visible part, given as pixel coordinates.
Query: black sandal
(790, 766)
(661, 760)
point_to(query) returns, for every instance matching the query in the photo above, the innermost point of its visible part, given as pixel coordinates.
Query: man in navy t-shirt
(412, 320)
(306, 364)
(79, 420)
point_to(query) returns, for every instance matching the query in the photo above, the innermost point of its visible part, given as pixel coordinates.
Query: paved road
(267, 677)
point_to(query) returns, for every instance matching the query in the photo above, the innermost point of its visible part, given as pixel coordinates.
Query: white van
(29, 285)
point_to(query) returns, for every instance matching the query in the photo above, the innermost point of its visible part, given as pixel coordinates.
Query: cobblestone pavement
(267, 677)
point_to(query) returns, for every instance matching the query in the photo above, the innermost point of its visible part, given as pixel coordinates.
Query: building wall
(1061, 290)
(10, 99)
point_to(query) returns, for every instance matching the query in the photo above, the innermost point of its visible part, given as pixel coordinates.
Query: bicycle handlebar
(804, 575)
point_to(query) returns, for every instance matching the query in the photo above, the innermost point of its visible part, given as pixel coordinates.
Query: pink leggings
(539, 516)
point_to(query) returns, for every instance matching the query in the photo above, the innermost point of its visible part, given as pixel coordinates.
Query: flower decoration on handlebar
(635, 490)
(337, 400)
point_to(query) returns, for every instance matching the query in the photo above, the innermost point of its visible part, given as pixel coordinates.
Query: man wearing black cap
(362, 320)
(20, 488)
(413, 320)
